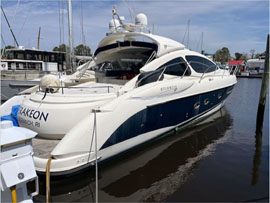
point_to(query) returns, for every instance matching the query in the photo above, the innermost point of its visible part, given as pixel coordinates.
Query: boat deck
(43, 147)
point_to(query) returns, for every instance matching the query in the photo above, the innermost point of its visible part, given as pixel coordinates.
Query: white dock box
(17, 165)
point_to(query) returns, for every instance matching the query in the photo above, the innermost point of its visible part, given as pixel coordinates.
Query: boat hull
(54, 120)
(10, 88)
(132, 133)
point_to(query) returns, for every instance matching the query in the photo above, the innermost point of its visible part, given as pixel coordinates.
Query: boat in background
(22, 68)
(255, 66)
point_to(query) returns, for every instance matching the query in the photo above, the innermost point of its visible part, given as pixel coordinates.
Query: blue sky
(239, 25)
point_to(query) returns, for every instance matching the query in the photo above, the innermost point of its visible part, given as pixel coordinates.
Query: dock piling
(264, 88)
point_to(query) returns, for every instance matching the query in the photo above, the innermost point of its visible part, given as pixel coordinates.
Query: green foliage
(82, 50)
(9, 47)
(260, 55)
(244, 57)
(79, 50)
(252, 53)
(3, 51)
(241, 56)
(61, 48)
(223, 55)
(237, 56)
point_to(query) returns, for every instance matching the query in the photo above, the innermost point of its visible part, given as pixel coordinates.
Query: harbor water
(220, 159)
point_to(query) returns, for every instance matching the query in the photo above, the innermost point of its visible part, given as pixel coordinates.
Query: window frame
(187, 71)
(207, 67)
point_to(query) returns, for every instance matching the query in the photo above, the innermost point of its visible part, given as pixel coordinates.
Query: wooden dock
(249, 76)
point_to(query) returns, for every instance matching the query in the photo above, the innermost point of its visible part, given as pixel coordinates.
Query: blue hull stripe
(167, 114)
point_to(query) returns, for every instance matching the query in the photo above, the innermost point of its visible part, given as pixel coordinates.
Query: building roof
(236, 62)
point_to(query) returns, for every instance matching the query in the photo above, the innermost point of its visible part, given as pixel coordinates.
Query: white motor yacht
(174, 89)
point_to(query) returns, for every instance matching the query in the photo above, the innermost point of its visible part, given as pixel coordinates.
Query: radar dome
(141, 20)
(114, 25)
(50, 81)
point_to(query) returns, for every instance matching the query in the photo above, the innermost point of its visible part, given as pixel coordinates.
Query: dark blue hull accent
(167, 114)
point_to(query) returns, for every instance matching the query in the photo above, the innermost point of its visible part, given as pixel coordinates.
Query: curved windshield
(200, 64)
(177, 67)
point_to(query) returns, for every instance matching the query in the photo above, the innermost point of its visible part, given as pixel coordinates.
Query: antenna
(129, 9)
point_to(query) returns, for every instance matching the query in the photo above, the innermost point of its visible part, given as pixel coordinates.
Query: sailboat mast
(38, 38)
(10, 27)
(70, 23)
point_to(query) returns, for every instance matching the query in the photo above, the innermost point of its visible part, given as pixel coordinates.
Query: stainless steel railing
(49, 87)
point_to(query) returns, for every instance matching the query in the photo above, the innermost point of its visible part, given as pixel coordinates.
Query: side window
(176, 67)
(200, 64)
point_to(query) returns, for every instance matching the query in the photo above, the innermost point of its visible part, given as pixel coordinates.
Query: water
(214, 161)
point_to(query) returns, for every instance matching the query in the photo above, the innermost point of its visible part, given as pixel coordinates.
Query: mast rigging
(17, 44)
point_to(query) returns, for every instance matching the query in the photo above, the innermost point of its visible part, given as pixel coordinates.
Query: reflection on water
(257, 157)
(151, 172)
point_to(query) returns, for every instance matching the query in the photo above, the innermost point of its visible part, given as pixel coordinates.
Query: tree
(223, 55)
(9, 47)
(61, 48)
(252, 53)
(237, 56)
(257, 55)
(3, 51)
(244, 57)
(260, 55)
(82, 50)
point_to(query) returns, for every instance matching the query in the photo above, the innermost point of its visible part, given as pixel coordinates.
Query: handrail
(185, 69)
(205, 71)
(215, 70)
(162, 73)
(154, 53)
(74, 87)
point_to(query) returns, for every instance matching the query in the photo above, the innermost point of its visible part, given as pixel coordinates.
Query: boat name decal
(168, 88)
(31, 113)
(29, 122)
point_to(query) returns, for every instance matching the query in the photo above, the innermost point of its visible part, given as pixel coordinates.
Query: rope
(26, 18)
(13, 194)
(15, 13)
(129, 9)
